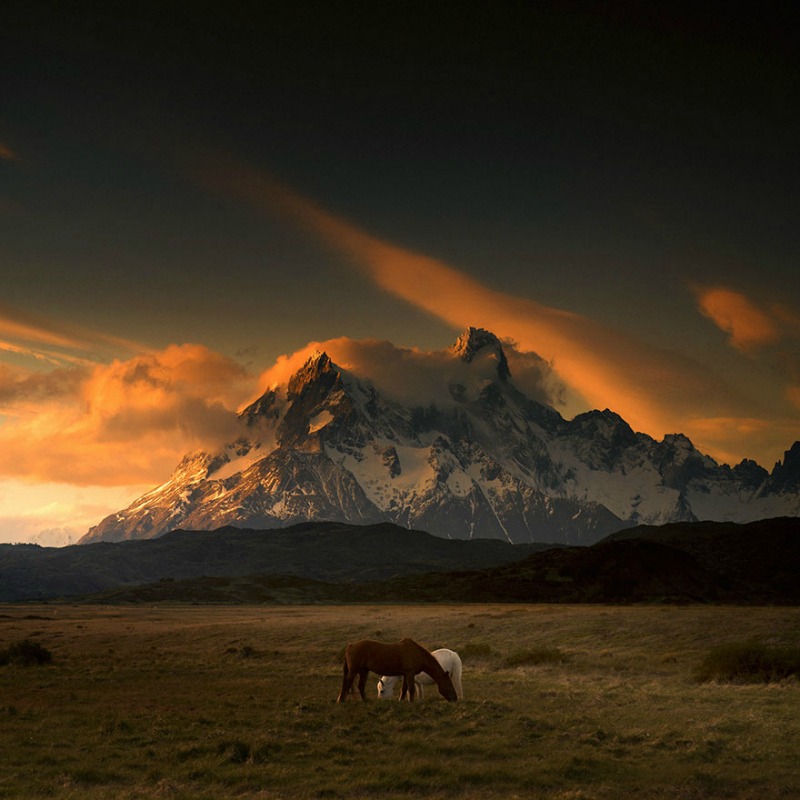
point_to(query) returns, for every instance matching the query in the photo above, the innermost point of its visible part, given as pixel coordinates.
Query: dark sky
(629, 167)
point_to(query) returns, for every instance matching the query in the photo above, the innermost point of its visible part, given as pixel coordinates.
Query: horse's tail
(455, 675)
(345, 688)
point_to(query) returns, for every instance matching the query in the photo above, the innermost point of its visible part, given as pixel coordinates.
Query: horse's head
(446, 688)
(385, 689)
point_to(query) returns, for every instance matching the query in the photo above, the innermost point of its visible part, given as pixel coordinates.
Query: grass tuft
(235, 751)
(748, 662)
(473, 650)
(25, 653)
(532, 657)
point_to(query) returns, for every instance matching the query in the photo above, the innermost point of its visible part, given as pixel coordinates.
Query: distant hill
(699, 562)
(756, 563)
(761, 557)
(753, 563)
(311, 550)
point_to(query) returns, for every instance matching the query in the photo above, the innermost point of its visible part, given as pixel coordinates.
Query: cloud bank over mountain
(407, 374)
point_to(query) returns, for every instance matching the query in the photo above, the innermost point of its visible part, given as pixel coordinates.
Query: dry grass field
(569, 702)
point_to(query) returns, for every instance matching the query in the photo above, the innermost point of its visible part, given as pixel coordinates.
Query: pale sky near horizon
(188, 193)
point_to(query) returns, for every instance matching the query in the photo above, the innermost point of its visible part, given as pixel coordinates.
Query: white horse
(450, 661)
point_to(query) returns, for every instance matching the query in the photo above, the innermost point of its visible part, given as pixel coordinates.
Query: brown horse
(406, 658)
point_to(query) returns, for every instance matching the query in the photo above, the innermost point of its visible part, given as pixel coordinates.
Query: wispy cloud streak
(56, 342)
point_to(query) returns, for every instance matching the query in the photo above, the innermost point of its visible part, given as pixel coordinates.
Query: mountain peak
(786, 475)
(473, 340)
(317, 368)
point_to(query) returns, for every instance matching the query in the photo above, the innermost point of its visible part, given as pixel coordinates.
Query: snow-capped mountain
(55, 537)
(485, 461)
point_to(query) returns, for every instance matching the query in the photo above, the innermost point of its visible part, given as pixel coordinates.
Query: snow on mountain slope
(472, 457)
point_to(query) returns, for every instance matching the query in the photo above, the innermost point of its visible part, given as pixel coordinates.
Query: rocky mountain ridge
(483, 461)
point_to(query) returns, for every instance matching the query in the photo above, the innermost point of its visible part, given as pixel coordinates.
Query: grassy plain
(238, 702)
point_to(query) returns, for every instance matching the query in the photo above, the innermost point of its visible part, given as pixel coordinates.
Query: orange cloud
(748, 326)
(126, 422)
(412, 375)
(153, 380)
(6, 153)
(21, 389)
(30, 332)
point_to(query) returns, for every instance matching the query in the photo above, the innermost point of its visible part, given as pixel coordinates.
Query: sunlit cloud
(21, 389)
(54, 357)
(769, 331)
(747, 325)
(411, 375)
(6, 153)
(126, 422)
(15, 325)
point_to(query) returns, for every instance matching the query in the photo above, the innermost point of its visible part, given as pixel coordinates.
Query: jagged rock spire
(473, 340)
(317, 368)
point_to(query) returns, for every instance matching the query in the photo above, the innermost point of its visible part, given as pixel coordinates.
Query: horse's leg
(410, 679)
(404, 692)
(362, 682)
